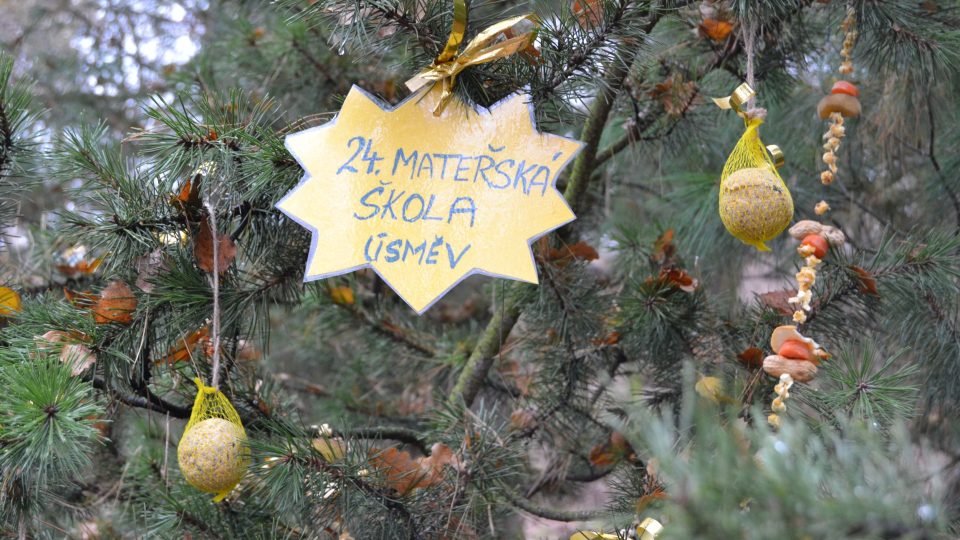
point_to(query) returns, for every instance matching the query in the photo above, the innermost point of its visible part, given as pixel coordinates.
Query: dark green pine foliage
(564, 406)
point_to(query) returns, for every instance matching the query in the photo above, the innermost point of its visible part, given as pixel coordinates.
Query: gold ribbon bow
(736, 101)
(485, 47)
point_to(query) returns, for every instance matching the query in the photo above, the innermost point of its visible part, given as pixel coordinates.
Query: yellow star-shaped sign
(427, 200)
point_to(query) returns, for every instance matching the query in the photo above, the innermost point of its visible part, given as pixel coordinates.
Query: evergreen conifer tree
(626, 385)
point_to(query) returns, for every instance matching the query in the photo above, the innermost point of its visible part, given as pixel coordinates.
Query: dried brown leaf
(580, 251)
(115, 305)
(679, 279)
(589, 13)
(716, 30)
(663, 248)
(183, 349)
(404, 474)
(868, 283)
(203, 249)
(752, 357)
(777, 301)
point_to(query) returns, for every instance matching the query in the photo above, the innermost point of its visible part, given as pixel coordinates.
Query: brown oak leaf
(72, 352)
(589, 13)
(189, 195)
(663, 248)
(675, 94)
(522, 419)
(183, 348)
(612, 451)
(610, 339)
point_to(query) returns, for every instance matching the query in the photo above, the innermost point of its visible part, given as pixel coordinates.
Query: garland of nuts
(842, 102)
(815, 241)
(796, 357)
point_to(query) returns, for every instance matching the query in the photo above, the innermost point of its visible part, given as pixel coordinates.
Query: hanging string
(749, 36)
(749, 39)
(215, 334)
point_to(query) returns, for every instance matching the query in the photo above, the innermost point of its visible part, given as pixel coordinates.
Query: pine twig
(401, 434)
(150, 401)
(390, 330)
(549, 513)
(936, 164)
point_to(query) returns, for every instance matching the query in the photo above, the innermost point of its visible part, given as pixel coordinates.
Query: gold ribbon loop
(649, 528)
(485, 47)
(457, 32)
(776, 154)
(736, 101)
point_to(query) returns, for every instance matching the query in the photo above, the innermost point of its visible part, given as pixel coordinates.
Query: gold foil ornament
(737, 100)
(489, 45)
(648, 529)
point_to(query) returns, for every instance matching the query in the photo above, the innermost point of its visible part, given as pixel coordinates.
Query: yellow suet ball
(212, 455)
(755, 205)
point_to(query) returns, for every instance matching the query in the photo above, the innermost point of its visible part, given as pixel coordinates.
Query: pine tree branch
(522, 503)
(386, 328)
(475, 371)
(150, 401)
(317, 65)
(6, 138)
(401, 434)
(394, 506)
(936, 164)
(586, 53)
(640, 125)
(425, 37)
(593, 128)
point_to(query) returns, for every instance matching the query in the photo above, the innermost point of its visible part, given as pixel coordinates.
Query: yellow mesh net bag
(755, 204)
(212, 453)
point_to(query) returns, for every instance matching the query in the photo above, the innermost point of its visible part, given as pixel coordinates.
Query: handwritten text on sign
(426, 201)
